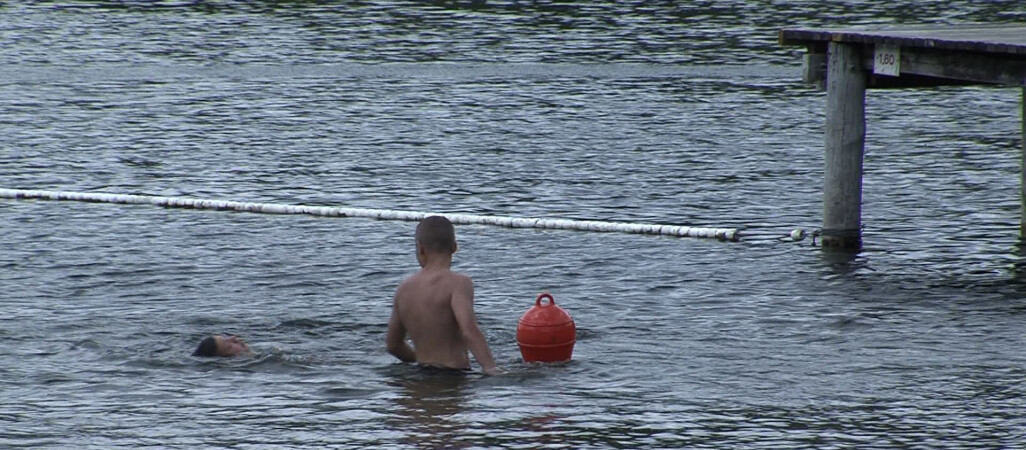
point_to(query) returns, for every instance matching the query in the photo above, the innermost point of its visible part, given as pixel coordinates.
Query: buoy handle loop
(552, 301)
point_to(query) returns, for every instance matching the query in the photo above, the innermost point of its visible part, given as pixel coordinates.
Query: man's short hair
(206, 347)
(437, 234)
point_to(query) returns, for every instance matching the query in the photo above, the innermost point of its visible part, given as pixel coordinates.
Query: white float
(726, 234)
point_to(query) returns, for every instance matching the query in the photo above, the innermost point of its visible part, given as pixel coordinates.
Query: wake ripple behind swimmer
(277, 360)
(273, 360)
(303, 323)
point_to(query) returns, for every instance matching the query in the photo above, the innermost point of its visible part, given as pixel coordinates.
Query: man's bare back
(435, 307)
(426, 304)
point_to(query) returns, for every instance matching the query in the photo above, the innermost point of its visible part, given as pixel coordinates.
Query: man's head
(218, 345)
(435, 234)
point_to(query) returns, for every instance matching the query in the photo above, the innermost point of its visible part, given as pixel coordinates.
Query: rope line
(725, 234)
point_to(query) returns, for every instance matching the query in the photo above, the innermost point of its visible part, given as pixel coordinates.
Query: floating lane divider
(725, 234)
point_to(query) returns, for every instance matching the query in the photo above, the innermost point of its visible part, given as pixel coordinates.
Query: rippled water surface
(665, 112)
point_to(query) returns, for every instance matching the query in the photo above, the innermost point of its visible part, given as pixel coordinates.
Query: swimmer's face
(231, 346)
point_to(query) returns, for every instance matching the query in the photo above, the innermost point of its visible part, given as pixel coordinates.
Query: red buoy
(546, 333)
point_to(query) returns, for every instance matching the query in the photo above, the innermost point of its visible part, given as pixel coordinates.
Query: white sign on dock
(887, 60)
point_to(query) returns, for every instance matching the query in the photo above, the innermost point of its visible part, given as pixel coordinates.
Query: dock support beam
(845, 142)
(1022, 170)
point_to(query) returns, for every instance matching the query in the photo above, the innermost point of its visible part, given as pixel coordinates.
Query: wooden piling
(901, 56)
(845, 140)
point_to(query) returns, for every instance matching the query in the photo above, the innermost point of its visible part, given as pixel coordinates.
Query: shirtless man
(436, 307)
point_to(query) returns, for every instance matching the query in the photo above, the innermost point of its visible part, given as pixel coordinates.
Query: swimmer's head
(218, 345)
(436, 234)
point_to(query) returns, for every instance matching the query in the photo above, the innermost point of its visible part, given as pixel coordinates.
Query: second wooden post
(1022, 170)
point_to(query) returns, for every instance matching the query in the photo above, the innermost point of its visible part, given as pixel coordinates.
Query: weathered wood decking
(849, 61)
(985, 38)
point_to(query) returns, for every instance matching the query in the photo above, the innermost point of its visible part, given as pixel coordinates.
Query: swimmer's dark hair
(206, 347)
(437, 234)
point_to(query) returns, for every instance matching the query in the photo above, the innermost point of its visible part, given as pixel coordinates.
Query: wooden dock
(848, 61)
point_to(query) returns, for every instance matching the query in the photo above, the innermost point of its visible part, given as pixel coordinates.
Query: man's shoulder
(460, 277)
(447, 274)
(436, 283)
(422, 279)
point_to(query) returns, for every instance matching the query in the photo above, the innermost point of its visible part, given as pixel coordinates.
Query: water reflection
(841, 261)
(1017, 268)
(428, 405)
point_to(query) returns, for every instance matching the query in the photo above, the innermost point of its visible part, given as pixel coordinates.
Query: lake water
(664, 112)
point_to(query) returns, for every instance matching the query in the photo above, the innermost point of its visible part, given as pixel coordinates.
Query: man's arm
(463, 309)
(395, 340)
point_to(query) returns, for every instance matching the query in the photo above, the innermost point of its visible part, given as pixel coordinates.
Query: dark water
(668, 112)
